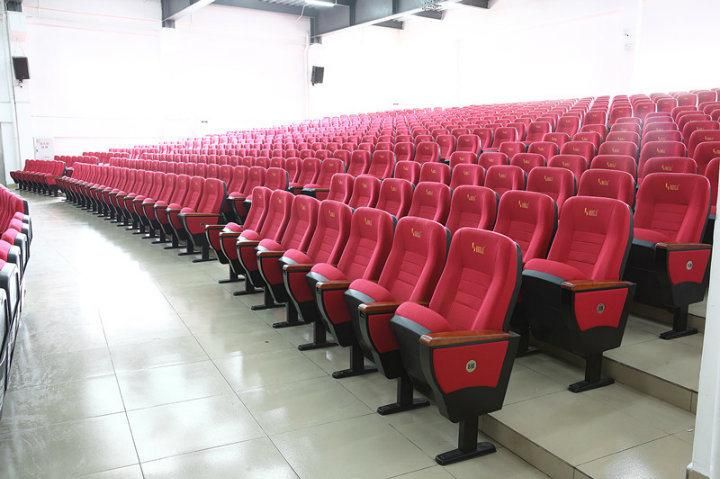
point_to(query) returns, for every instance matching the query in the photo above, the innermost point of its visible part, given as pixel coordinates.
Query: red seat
(616, 184)
(365, 192)
(435, 172)
(462, 157)
(502, 135)
(427, 151)
(359, 163)
(464, 328)
(321, 186)
(653, 149)
(309, 171)
(341, 187)
(615, 162)
(547, 149)
(412, 269)
(625, 148)
(190, 201)
(194, 219)
(575, 163)
(485, 135)
(276, 220)
(472, 206)
(395, 196)
(601, 130)
(467, 174)
(568, 125)
(557, 183)
(589, 137)
(667, 164)
(597, 117)
(430, 201)
(492, 158)
(326, 246)
(537, 130)
(502, 178)
(701, 136)
(446, 144)
(704, 152)
(292, 166)
(364, 256)
(512, 148)
(693, 126)
(559, 138)
(615, 136)
(405, 151)
(582, 148)
(711, 173)
(662, 135)
(668, 261)
(182, 184)
(407, 170)
(255, 177)
(276, 179)
(576, 301)
(382, 164)
(469, 143)
(297, 236)
(528, 218)
(528, 161)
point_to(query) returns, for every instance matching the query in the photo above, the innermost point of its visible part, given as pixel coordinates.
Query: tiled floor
(133, 362)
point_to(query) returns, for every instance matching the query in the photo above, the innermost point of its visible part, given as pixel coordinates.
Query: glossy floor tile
(134, 363)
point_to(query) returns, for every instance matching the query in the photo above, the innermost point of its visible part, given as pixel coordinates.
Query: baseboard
(692, 474)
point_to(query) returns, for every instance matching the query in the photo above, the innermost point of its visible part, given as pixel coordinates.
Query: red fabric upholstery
(431, 201)
(341, 187)
(435, 172)
(711, 173)
(557, 183)
(527, 161)
(382, 164)
(529, 219)
(503, 178)
(654, 149)
(492, 158)
(427, 151)
(408, 170)
(606, 183)
(395, 196)
(469, 143)
(467, 174)
(473, 207)
(405, 151)
(545, 148)
(705, 152)
(669, 164)
(365, 192)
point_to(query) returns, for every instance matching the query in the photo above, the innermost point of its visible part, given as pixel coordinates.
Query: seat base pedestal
(582, 386)
(291, 318)
(268, 303)
(357, 364)
(680, 325)
(232, 278)
(405, 400)
(249, 289)
(593, 376)
(319, 338)
(672, 334)
(456, 455)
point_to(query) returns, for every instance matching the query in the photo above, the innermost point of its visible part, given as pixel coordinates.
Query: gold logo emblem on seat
(671, 187)
(611, 164)
(416, 233)
(591, 212)
(331, 214)
(523, 204)
(666, 167)
(368, 221)
(603, 182)
(548, 178)
(661, 150)
(429, 192)
(478, 248)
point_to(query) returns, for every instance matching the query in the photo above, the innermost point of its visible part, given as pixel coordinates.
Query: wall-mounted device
(21, 68)
(317, 75)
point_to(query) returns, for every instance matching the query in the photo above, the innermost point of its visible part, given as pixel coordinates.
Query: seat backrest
(359, 163)
(528, 218)
(711, 173)
(503, 134)
(469, 143)
(626, 148)
(194, 192)
(575, 163)
(331, 232)
(405, 151)
(434, 171)
(430, 201)
(292, 166)
(382, 164)
(547, 149)
(537, 130)
(157, 184)
(446, 144)
(395, 196)
(624, 163)
(344, 156)
(672, 207)
(328, 168)
(260, 199)
(301, 225)
(239, 177)
(213, 194)
(593, 236)
(654, 149)
(527, 161)
(276, 179)
(462, 157)
(557, 183)
(667, 164)
(479, 285)
(557, 137)
(278, 215)
(485, 135)
(416, 259)
(341, 187)
(662, 135)
(492, 158)
(582, 148)
(256, 177)
(472, 207)
(568, 124)
(407, 170)
(605, 183)
(512, 148)
(182, 182)
(426, 151)
(588, 136)
(597, 117)
(467, 174)
(502, 178)
(365, 192)
(368, 245)
(692, 126)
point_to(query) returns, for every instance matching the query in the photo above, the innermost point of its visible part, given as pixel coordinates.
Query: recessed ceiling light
(320, 3)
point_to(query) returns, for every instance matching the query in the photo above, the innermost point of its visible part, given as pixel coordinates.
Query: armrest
(247, 243)
(200, 215)
(583, 285)
(214, 227)
(456, 338)
(230, 234)
(297, 268)
(378, 308)
(332, 285)
(160, 204)
(683, 246)
(270, 254)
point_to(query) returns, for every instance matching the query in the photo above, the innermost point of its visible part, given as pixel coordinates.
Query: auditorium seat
(321, 186)
(326, 246)
(395, 196)
(297, 235)
(557, 183)
(512, 148)
(472, 206)
(404, 151)
(464, 327)
(582, 148)
(462, 157)
(616, 184)
(692, 126)
(407, 170)
(529, 219)
(502, 178)
(492, 158)
(435, 172)
(255, 177)
(190, 201)
(625, 148)
(615, 162)
(365, 192)
(527, 161)
(575, 163)
(559, 138)
(662, 135)
(309, 172)
(273, 227)
(430, 201)
(575, 298)
(654, 149)
(382, 164)
(469, 143)
(667, 164)
(364, 256)
(624, 136)
(194, 219)
(600, 130)
(341, 187)
(427, 151)
(276, 179)
(668, 261)
(568, 125)
(467, 174)
(447, 144)
(547, 149)
(537, 130)
(359, 163)
(704, 153)
(501, 135)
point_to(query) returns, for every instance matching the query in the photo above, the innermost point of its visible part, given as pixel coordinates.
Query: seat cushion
(650, 235)
(423, 316)
(328, 271)
(297, 256)
(372, 290)
(250, 235)
(270, 245)
(187, 210)
(554, 268)
(232, 228)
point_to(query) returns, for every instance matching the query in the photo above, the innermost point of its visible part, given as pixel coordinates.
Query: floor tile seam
(68, 422)
(50, 385)
(171, 403)
(158, 366)
(623, 450)
(648, 373)
(202, 449)
(318, 424)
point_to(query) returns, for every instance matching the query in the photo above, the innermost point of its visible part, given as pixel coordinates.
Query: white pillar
(706, 447)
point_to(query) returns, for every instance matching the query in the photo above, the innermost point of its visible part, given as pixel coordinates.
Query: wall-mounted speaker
(21, 68)
(317, 75)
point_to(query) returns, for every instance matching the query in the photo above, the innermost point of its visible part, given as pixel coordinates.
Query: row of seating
(39, 176)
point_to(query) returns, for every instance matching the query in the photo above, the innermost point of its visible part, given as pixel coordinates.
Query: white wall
(104, 73)
(520, 50)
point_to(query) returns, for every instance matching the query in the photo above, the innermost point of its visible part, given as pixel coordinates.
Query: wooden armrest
(230, 234)
(683, 246)
(214, 227)
(333, 285)
(201, 215)
(451, 338)
(297, 268)
(378, 308)
(270, 254)
(586, 285)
